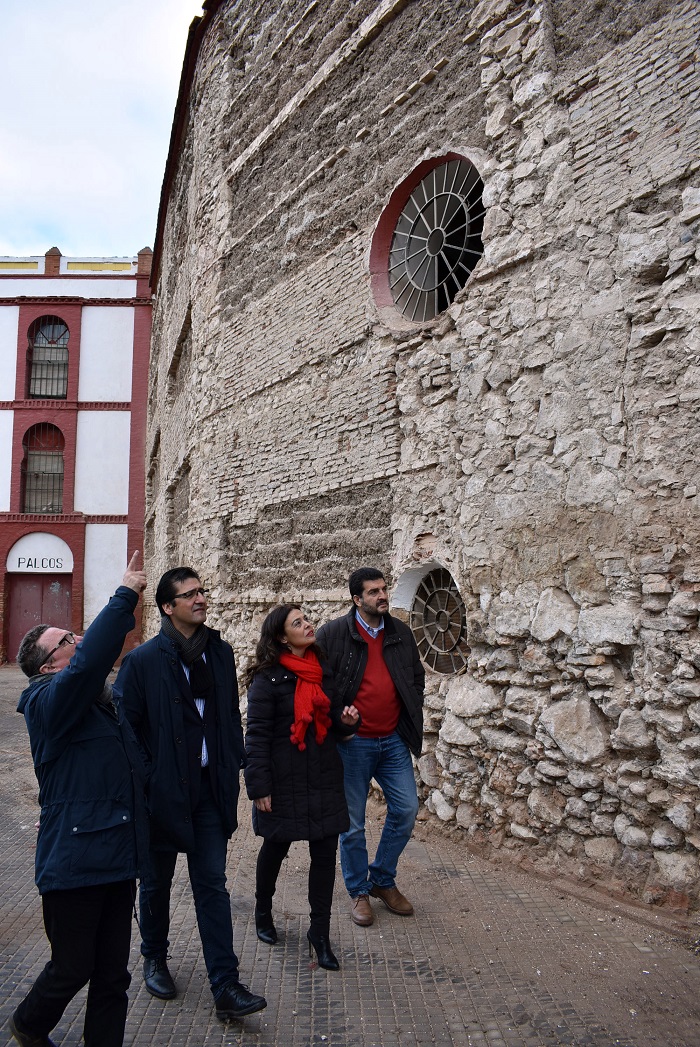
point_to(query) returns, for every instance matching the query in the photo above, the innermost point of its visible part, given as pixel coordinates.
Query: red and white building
(74, 344)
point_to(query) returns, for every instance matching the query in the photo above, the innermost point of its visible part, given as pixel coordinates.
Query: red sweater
(376, 699)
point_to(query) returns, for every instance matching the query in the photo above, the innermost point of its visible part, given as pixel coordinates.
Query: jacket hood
(33, 684)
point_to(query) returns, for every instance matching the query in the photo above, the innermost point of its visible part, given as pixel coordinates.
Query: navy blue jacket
(346, 653)
(152, 688)
(308, 797)
(93, 826)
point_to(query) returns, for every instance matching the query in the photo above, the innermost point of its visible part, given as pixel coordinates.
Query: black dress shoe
(158, 978)
(265, 928)
(324, 953)
(28, 1039)
(237, 1000)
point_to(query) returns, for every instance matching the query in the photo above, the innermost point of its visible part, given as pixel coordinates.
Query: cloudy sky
(89, 91)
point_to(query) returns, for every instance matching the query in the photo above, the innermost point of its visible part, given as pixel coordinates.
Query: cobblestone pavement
(492, 957)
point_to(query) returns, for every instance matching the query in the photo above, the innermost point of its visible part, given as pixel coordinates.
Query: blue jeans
(207, 868)
(388, 761)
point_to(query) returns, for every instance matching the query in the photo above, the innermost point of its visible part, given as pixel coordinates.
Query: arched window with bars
(42, 469)
(47, 359)
(439, 623)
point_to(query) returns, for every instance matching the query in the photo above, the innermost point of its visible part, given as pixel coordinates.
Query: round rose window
(435, 238)
(438, 623)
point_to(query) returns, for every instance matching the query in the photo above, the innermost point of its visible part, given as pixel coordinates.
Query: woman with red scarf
(294, 774)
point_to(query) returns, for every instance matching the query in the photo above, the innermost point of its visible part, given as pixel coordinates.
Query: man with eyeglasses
(93, 827)
(180, 694)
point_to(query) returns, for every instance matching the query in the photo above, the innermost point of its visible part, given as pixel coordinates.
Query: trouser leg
(72, 921)
(359, 756)
(154, 904)
(396, 778)
(270, 858)
(321, 883)
(207, 868)
(105, 1013)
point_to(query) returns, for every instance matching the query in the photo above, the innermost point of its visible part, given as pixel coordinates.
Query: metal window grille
(47, 359)
(439, 623)
(42, 470)
(437, 240)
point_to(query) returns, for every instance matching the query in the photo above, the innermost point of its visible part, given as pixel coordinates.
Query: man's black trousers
(89, 929)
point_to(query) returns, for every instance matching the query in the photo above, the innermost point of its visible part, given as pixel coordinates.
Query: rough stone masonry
(539, 439)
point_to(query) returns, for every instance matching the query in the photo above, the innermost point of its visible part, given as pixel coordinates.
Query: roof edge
(195, 36)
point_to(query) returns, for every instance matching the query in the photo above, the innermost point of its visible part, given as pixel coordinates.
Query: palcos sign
(40, 553)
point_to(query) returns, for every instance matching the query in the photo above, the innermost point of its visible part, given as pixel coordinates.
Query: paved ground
(492, 957)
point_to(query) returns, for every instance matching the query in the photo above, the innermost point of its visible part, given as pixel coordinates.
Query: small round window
(439, 623)
(429, 239)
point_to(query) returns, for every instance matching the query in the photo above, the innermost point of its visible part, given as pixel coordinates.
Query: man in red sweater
(376, 667)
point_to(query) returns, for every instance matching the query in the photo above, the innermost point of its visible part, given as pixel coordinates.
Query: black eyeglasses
(188, 595)
(68, 638)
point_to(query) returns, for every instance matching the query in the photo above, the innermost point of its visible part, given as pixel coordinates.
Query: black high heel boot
(324, 953)
(265, 928)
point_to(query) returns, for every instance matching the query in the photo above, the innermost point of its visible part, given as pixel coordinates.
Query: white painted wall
(105, 563)
(106, 353)
(9, 318)
(6, 423)
(83, 288)
(102, 462)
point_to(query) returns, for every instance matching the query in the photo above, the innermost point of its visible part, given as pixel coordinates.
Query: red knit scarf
(310, 703)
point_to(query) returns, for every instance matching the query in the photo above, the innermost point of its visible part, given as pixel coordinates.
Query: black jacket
(93, 827)
(153, 689)
(346, 652)
(308, 798)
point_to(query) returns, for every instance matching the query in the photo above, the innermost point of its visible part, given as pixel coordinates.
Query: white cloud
(89, 94)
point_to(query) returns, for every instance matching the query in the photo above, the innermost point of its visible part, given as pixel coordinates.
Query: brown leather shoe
(361, 911)
(393, 899)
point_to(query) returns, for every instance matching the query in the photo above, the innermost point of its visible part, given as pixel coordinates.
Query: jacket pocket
(100, 838)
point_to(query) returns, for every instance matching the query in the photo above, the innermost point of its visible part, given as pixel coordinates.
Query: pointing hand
(133, 578)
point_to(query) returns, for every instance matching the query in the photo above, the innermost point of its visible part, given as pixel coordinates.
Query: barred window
(47, 359)
(42, 469)
(428, 239)
(439, 624)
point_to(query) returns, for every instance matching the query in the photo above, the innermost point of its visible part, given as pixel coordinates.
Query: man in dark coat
(93, 832)
(180, 695)
(376, 666)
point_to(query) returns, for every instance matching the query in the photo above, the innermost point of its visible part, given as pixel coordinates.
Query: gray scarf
(191, 650)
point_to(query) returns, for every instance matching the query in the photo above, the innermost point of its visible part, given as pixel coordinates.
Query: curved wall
(539, 439)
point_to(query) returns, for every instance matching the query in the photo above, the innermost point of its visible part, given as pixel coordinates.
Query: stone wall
(540, 439)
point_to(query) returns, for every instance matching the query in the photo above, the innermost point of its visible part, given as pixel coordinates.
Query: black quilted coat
(308, 799)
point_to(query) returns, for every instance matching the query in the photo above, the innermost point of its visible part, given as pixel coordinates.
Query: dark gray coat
(308, 798)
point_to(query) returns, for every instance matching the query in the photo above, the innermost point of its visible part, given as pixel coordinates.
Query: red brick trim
(97, 519)
(64, 405)
(32, 519)
(73, 300)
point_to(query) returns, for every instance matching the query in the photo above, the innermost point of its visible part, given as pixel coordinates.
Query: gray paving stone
(491, 958)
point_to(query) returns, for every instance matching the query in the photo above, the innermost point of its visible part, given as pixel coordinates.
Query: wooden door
(36, 598)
